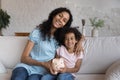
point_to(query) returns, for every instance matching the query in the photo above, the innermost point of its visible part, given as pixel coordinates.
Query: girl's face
(70, 40)
(60, 20)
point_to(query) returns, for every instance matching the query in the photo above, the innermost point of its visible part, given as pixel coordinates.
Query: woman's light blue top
(43, 50)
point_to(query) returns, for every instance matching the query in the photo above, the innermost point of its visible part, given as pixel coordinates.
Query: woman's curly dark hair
(45, 27)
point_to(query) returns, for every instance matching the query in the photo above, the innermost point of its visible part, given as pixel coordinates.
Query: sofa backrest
(99, 54)
(11, 48)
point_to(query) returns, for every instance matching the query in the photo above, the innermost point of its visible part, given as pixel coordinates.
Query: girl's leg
(65, 76)
(34, 77)
(19, 73)
(49, 77)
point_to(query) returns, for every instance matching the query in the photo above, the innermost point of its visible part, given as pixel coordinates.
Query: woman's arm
(79, 46)
(28, 60)
(74, 69)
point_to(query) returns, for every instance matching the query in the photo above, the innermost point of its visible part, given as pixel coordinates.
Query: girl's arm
(73, 70)
(79, 46)
(28, 60)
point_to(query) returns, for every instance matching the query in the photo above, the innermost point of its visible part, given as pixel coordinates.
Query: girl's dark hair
(73, 30)
(45, 27)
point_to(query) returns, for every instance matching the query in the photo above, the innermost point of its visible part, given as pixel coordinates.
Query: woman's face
(60, 19)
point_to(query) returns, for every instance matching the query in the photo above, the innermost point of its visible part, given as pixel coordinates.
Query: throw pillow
(2, 68)
(113, 72)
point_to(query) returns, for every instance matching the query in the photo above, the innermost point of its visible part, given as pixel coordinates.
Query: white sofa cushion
(11, 48)
(90, 76)
(7, 75)
(113, 72)
(2, 68)
(100, 53)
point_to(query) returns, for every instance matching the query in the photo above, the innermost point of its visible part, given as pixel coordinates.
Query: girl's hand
(63, 70)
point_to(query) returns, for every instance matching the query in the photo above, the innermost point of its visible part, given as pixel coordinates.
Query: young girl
(66, 51)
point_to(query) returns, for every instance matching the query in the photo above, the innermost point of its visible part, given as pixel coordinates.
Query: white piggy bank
(57, 63)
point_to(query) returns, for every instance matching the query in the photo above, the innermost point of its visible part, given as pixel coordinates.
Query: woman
(42, 44)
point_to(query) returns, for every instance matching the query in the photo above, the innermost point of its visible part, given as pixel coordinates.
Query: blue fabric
(61, 76)
(19, 74)
(42, 51)
(49, 76)
(34, 77)
(65, 76)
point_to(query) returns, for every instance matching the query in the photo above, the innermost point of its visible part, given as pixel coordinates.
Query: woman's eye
(65, 20)
(60, 15)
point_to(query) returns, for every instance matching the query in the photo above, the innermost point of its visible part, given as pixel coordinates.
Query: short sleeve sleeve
(60, 50)
(34, 35)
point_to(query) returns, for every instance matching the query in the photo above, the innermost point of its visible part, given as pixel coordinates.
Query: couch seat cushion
(2, 68)
(90, 76)
(7, 75)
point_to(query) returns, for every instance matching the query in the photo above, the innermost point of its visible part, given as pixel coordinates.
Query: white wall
(26, 14)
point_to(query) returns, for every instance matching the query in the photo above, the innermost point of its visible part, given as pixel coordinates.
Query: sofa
(100, 53)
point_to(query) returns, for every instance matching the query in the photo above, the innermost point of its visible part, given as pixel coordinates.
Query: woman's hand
(48, 65)
(52, 70)
(79, 46)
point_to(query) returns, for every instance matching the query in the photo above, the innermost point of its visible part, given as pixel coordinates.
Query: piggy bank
(57, 63)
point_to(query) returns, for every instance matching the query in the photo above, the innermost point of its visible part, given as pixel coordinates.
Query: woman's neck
(53, 30)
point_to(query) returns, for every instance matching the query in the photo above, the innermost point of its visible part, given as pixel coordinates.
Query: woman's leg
(65, 76)
(19, 73)
(49, 77)
(34, 77)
